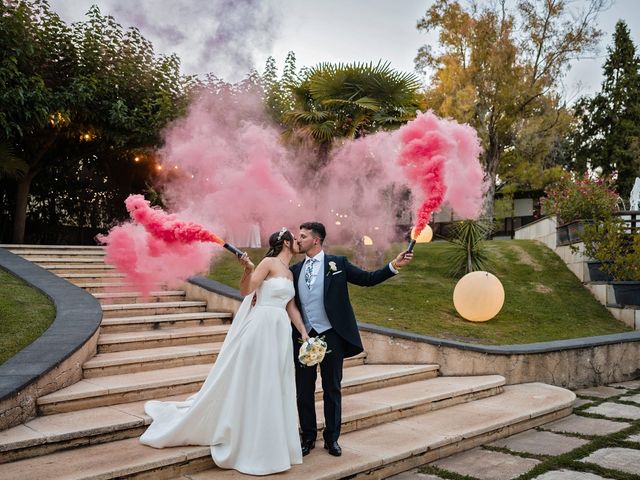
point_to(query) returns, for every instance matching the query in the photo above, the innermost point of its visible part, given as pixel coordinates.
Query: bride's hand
(305, 337)
(246, 262)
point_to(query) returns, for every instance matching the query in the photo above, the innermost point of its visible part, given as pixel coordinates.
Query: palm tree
(349, 101)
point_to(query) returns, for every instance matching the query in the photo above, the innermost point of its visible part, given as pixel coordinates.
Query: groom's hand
(403, 259)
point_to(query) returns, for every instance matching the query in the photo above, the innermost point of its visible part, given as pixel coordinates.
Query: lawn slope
(544, 300)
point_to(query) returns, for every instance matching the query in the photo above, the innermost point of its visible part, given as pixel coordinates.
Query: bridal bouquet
(312, 351)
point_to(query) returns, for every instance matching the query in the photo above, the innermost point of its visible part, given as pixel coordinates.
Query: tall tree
(500, 70)
(80, 93)
(278, 96)
(36, 60)
(608, 133)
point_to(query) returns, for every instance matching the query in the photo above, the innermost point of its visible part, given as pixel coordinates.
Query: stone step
(105, 286)
(377, 452)
(359, 359)
(391, 448)
(65, 260)
(155, 308)
(82, 267)
(91, 277)
(47, 434)
(33, 255)
(18, 248)
(107, 298)
(118, 363)
(119, 342)
(114, 389)
(140, 323)
(78, 268)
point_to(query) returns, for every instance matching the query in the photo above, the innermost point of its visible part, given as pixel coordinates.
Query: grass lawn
(25, 314)
(544, 300)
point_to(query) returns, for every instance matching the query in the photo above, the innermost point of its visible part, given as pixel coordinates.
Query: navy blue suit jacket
(336, 296)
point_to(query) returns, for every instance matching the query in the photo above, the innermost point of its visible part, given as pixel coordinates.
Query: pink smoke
(359, 191)
(150, 263)
(158, 248)
(233, 169)
(166, 227)
(231, 173)
(440, 158)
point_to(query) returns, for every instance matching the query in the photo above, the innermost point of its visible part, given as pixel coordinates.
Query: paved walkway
(601, 440)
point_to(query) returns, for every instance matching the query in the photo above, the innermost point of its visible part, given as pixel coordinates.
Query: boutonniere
(332, 267)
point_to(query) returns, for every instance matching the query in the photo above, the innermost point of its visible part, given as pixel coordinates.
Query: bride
(246, 409)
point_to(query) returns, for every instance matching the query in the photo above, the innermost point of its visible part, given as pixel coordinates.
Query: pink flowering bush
(581, 198)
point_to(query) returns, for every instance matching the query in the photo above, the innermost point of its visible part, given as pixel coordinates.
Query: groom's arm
(363, 278)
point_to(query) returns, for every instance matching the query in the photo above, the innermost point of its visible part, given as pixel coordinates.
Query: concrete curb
(539, 347)
(216, 287)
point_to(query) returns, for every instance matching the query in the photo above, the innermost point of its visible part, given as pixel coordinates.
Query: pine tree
(609, 135)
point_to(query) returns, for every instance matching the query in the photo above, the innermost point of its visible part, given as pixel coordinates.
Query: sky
(317, 31)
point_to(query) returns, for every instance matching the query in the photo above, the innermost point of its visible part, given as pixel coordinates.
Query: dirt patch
(524, 257)
(496, 253)
(539, 288)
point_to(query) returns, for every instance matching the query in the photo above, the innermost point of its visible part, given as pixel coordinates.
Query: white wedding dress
(246, 409)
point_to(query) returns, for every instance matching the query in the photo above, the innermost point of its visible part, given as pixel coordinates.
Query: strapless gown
(246, 409)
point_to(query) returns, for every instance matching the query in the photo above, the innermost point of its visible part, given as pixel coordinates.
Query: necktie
(308, 271)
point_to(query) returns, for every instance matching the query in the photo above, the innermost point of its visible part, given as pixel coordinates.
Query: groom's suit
(338, 325)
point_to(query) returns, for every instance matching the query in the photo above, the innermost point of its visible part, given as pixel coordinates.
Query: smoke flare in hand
(157, 249)
(440, 157)
(166, 226)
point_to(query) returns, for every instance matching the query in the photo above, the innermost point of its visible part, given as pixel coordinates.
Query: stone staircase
(395, 417)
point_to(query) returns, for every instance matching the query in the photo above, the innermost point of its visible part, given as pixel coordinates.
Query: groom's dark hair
(316, 228)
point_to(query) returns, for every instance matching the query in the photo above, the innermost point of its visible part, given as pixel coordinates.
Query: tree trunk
(487, 208)
(24, 185)
(491, 171)
(20, 213)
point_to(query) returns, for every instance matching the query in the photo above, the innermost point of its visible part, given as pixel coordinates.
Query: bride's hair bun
(276, 241)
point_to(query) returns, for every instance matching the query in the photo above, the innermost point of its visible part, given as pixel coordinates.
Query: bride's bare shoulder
(268, 262)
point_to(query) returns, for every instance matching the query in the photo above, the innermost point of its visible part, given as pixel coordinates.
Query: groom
(323, 299)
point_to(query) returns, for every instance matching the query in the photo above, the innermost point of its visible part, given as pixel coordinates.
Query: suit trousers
(331, 373)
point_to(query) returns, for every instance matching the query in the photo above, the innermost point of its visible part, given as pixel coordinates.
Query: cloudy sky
(317, 31)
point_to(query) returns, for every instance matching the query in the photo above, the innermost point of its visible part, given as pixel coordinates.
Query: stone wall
(55, 359)
(219, 297)
(570, 364)
(21, 405)
(543, 230)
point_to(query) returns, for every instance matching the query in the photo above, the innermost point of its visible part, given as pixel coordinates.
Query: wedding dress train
(246, 410)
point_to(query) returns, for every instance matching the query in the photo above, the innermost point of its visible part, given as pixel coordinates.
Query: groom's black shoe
(307, 446)
(334, 448)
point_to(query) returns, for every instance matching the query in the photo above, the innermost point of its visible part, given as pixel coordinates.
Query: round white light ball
(478, 296)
